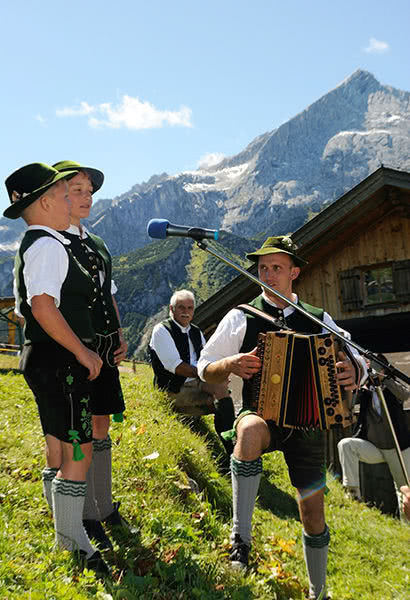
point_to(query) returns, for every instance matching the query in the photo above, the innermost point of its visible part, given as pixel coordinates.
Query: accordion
(296, 386)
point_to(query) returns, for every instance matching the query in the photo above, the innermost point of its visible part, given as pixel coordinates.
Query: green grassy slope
(181, 549)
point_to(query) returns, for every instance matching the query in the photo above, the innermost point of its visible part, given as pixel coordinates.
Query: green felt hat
(96, 176)
(28, 183)
(280, 243)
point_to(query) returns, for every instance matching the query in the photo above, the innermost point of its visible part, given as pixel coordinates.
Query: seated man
(175, 347)
(373, 441)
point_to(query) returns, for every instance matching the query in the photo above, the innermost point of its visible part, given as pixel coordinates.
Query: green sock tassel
(74, 438)
(118, 417)
(78, 454)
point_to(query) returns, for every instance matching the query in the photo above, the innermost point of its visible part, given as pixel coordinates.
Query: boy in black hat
(232, 349)
(53, 294)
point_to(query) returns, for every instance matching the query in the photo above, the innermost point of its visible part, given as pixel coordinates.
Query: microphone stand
(390, 369)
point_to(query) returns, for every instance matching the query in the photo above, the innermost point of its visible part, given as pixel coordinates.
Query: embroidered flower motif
(69, 379)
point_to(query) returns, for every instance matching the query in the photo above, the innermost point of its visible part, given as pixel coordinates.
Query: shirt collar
(183, 329)
(53, 232)
(75, 230)
(288, 310)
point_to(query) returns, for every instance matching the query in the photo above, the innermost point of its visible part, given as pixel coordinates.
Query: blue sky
(138, 88)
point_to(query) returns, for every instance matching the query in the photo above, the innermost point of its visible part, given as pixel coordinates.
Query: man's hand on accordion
(245, 365)
(346, 374)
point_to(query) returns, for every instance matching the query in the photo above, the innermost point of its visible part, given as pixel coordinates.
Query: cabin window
(378, 285)
(375, 285)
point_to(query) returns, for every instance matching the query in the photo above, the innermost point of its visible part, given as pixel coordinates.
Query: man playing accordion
(232, 349)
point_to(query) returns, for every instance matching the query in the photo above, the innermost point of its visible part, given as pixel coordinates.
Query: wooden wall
(386, 240)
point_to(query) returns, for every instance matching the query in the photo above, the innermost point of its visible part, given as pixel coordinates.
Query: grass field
(181, 549)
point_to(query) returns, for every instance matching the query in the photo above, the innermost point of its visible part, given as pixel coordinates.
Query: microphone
(161, 228)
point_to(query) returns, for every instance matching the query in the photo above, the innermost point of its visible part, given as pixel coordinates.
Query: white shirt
(230, 333)
(45, 267)
(166, 350)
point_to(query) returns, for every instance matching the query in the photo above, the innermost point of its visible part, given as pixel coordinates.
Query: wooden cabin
(10, 329)
(358, 253)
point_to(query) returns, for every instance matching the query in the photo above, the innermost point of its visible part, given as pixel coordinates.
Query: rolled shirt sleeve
(45, 269)
(225, 341)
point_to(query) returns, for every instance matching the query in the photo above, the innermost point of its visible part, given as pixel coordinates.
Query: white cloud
(83, 110)
(130, 113)
(376, 46)
(41, 120)
(209, 160)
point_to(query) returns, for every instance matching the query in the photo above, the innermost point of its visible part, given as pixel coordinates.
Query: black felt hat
(28, 183)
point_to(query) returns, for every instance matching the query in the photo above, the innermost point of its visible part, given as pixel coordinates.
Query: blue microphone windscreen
(157, 228)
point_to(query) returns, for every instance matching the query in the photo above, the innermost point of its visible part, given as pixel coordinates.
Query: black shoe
(115, 519)
(96, 532)
(95, 563)
(239, 556)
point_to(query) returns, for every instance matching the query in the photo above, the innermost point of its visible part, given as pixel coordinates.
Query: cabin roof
(384, 191)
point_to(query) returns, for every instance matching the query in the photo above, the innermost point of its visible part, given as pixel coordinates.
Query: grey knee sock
(90, 504)
(68, 502)
(315, 549)
(246, 475)
(102, 476)
(48, 475)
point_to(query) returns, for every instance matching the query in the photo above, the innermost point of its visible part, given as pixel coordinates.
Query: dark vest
(93, 255)
(375, 428)
(255, 325)
(164, 379)
(76, 296)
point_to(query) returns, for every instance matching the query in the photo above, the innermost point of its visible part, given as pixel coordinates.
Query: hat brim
(14, 210)
(96, 176)
(254, 256)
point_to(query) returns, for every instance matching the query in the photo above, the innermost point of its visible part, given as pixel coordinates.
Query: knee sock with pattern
(90, 503)
(246, 475)
(68, 503)
(48, 475)
(315, 548)
(102, 476)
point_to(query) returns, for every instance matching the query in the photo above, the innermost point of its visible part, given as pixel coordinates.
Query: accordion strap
(247, 308)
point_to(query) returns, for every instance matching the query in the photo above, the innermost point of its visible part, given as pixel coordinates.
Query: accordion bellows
(297, 386)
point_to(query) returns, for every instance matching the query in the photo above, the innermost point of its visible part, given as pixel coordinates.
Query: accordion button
(328, 342)
(322, 361)
(328, 401)
(338, 418)
(330, 412)
(322, 350)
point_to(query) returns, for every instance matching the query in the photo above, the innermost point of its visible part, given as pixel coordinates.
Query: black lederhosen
(106, 393)
(304, 453)
(61, 390)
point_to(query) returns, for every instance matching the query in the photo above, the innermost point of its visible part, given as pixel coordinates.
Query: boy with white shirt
(106, 392)
(58, 361)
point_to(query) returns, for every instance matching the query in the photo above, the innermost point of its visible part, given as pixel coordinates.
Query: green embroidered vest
(93, 255)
